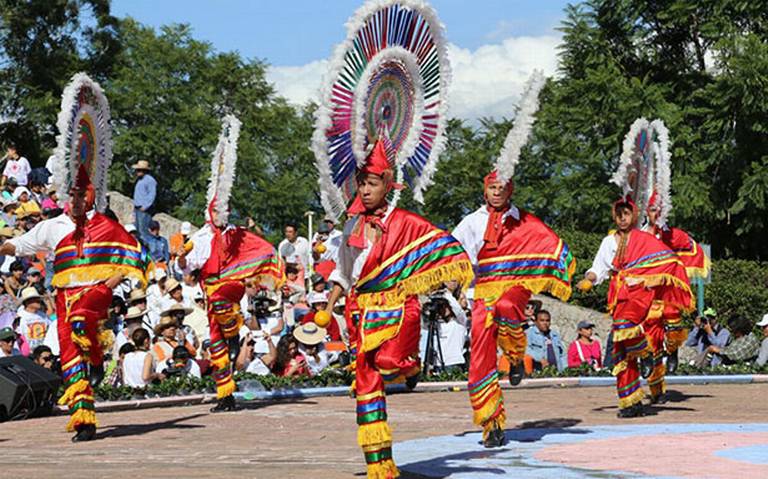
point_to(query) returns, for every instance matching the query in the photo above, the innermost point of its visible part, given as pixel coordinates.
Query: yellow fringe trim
(619, 367)
(81, 417)
(373, 341)
(423, 283)
(632, 399)
(497, 422)
(383, 470)
(627, 333)
(96, 274)
(81, 341)
(220, 363)
(226, 389)
(73, 390)
(374, 434)
(492, 291)
(651, 281)
(703, 272)
(495, 402)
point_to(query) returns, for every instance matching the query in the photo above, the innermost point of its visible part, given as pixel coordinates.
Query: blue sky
(493, 44)
(294, 32)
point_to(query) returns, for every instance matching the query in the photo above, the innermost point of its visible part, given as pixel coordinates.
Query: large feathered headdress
(634, 174)
(223, 171)
(84, 144)
(662, 196)
(391, 72)
(521, 130)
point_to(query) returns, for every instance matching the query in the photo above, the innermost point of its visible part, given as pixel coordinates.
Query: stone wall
(566, 316)
(123, 208)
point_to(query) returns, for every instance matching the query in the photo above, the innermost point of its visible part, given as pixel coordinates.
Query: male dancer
(515, 254)
(642, 270)
(387, 257)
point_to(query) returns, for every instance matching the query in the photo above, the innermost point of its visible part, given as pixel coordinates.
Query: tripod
(433, 356)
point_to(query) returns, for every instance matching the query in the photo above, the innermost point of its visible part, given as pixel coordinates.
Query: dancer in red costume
(643, 271)
(514, 254)
(93, 253)
(227, 256)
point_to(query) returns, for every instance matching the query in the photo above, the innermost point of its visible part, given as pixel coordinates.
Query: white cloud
(487, 82)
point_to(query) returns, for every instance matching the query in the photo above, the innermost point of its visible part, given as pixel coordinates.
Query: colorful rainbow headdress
(392, 71)
(85, 138)
(635, 171)
(518, 135)
(223, 171)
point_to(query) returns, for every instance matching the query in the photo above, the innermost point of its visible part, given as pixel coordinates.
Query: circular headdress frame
(85, 137)
(223, 171)
(391, 72)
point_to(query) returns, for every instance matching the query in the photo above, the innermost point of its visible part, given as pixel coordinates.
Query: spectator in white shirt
(174, 294)
(138, 366)
(310, 337)
(33, 323)
(17, 167)
(179, 364)
(132, 321)
(295, 248)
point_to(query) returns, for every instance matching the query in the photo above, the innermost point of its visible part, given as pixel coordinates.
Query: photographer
(257, 353)
(451, 328)
(261, 315)
(707, 332)
(744, 345)
(179, 365)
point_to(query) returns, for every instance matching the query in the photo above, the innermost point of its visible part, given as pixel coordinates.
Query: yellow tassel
(627, 333)
(383, 470)
(220, 363)
(374, 434)
(73, 390)
(81, 417)
(702, 272)
(494, 403)
(632, 399)
(226, 389)
(81, 341)
(492, 291)
(423, 283)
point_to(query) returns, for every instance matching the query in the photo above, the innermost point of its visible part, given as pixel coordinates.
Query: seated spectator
(707, 332)
(169, 334)
(34, 279)
(180, 364)
(289, 361)
(190, 287)
(117, 312)
(310, 338)
(133, 320)
(762, 355)
(51, 202)
(319, 283)
(585, 350)
(114, 376)
(293, 293)
(139, 365)
(158, 246)
(43, 356)
(8, 343)
(318, 302)
(174, 294)
(544, 344)
(37, 192)
(743, 347)
(33, 323)
(27, 206)
(14, 283)
(10, 187)
(250, 359)
(531, 309)
(204, 363)
(197, 320)
(179, 239)
(137, 298)
(8, 215)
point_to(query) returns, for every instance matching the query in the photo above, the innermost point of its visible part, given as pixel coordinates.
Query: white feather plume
(331, 196)
(223, 170)
(519, 133)
(622, 174)
(663, 170)
(66, 159)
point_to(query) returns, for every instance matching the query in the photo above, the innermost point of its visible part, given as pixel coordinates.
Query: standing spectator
(158, 246)
(318, 302)
(744, 346)
(17, 167)
(544, 344)
(174, 293)
(8, 343)
(585, 350)
(33, 323)
(295, 249)
(707, 332)
(144, 194)
(762, 355)
(139, 365)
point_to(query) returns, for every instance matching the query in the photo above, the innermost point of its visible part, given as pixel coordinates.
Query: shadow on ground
(124, 430)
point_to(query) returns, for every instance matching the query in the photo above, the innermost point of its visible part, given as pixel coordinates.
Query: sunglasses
(47, 359)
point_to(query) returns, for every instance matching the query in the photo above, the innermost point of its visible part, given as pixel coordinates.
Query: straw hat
(171, 284)
(6, 232)
(165, 323)
(176, 308)
(29, 293)
(309, 334)
(134, 312)
(136, 295)
(141, 165)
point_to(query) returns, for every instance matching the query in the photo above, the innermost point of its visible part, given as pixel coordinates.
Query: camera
(259, 305)
(435, 307)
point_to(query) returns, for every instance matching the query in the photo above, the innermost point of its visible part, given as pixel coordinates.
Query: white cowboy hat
(29, 293)
(309, 334)
(176, 308)
(134, 312)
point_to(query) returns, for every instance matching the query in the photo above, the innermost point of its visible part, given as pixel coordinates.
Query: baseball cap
(583, 324)
(763, 322)
(186, 228)
(7, 333)
(32, 270)
(324, 228)
(710, 313)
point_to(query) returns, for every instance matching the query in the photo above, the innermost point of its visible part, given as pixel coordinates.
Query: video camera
(437, 306)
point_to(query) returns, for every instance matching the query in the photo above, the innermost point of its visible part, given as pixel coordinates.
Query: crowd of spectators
(162, 331)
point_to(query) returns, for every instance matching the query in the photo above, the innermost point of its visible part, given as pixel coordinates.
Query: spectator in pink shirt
(585, 350)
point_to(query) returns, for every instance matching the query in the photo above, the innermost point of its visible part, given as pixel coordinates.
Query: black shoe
(516, 373)
(635, 410)
(411, 382)
(660, 399)
(234, 348)
(672, 362)
(85, 432)
(95, 375)
(646, 366)
(226, 404)
(495, 438)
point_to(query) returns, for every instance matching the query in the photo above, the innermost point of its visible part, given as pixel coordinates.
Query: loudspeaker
(26, 389)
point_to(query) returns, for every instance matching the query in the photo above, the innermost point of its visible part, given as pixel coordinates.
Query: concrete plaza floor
(316, 438)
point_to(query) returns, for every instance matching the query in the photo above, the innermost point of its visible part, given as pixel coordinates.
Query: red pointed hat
(654, 200)
(625, 200)
(377, 163)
